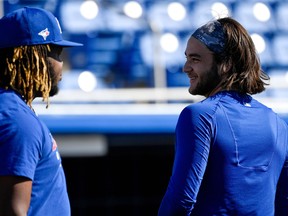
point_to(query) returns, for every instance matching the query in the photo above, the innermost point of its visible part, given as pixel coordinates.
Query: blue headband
(212, 35)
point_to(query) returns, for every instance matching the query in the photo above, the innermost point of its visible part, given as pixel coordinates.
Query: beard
(54, 91)
(207, 83)
(54, 83)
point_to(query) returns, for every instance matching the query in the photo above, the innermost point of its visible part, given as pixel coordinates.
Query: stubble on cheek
(205, 84)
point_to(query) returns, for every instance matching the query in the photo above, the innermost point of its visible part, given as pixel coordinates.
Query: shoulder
(206, 111)
(11, 102)
(201, 114)
(16, 116)
(206, 107)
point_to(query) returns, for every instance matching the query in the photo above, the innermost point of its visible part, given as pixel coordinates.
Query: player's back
(246, 157)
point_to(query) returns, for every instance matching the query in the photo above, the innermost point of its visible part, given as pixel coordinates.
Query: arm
(193, 134)
(15, 193)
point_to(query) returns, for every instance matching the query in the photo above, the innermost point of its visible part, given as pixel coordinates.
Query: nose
(186, 68)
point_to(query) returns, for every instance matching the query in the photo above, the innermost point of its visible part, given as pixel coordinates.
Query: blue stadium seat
(117, 21)
(267, 57)
(202, 12)
(243, 12)
(158, 18)
(280, 49)
(75, 23)
(281, 15)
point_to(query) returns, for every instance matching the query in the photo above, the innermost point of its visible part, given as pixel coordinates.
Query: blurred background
(122, 92)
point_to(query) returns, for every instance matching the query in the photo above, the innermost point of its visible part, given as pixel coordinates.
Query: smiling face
(200, 68)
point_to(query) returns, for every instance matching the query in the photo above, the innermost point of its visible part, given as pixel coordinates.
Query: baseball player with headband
(231, 151)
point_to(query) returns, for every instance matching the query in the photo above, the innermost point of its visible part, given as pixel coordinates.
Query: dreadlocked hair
(25, 69)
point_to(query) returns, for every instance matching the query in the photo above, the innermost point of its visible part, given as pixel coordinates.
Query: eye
(60, 51)
(192, 59)
(195, 59)
(55, 52)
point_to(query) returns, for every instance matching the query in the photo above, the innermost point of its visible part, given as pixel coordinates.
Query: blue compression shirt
(230, 151)
(28, 149)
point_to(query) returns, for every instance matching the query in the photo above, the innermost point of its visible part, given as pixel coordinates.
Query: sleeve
(193, 137)
(20, 144)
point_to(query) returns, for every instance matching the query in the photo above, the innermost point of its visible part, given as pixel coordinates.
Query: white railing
(140, 101)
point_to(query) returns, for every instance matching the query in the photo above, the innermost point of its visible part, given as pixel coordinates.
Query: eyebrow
(193, 55)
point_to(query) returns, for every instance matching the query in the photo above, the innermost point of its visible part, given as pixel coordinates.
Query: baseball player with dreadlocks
(32, 180)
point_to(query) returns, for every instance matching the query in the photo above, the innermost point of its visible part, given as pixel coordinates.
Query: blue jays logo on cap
(44, 33)
(31, 26)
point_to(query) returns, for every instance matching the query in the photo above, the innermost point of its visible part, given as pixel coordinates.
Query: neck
(214, 91)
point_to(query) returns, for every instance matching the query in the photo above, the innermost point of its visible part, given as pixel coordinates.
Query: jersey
(230, 152)
(28, 149)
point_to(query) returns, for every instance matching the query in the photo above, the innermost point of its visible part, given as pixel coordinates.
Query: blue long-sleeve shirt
(229, 153)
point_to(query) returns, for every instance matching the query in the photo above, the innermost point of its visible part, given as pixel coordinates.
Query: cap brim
(66, 43)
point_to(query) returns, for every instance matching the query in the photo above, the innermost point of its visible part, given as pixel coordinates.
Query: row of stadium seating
(124, 52)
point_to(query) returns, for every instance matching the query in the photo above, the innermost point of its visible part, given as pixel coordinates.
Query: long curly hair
(239, 62)
(25, 69)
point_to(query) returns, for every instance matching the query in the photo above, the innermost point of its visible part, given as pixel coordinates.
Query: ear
(225, 66)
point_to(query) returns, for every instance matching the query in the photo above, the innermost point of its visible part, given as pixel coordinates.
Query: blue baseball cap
(31, 26)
